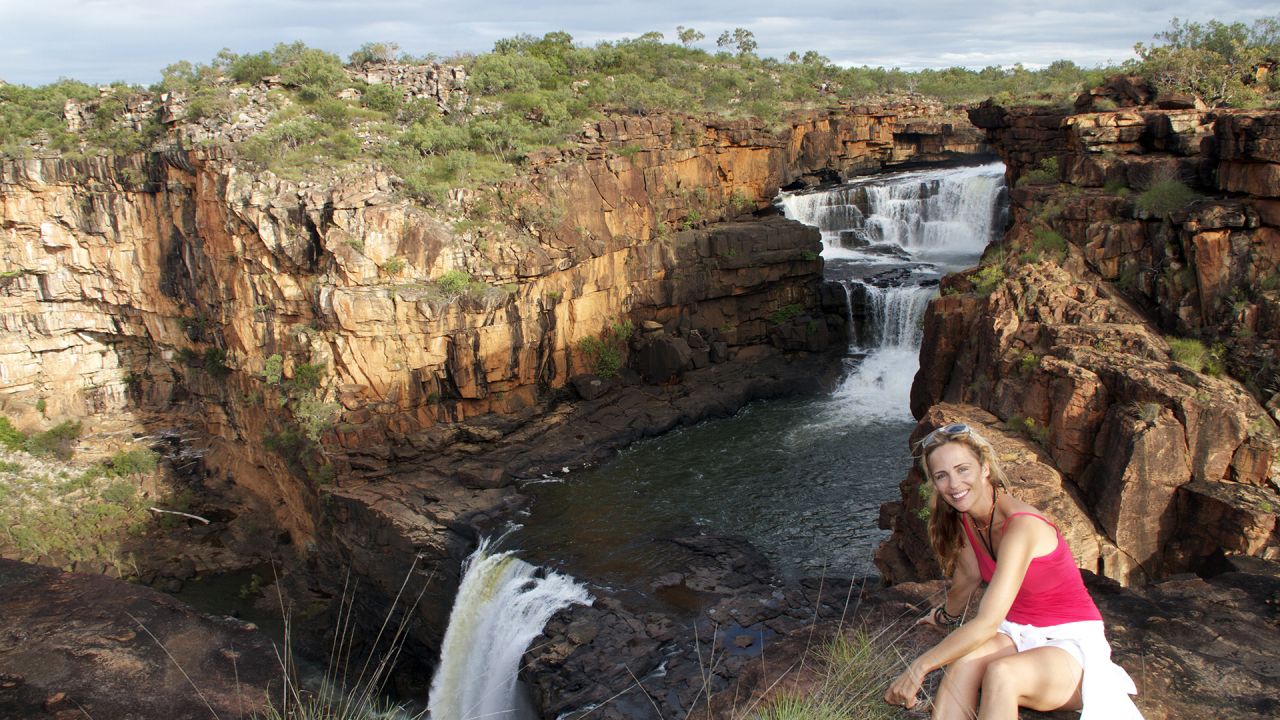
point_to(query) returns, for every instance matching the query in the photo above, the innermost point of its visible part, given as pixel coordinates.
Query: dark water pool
(802, 479)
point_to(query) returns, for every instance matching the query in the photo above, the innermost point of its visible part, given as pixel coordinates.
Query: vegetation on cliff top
(1225, 64)
(310, 112)
(300, 111)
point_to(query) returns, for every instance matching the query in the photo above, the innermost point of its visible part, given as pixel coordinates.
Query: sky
(101, 41)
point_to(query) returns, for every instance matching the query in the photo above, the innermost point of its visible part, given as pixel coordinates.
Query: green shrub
(315, 416)
(1028, 363)
(290, 443)
(1166, 197)
(11, 437)
(1214, 60)
(374, 52)
(926, 494)
(138, 461)
(1046, 173)
(383, 98)
(215, 362)
(1113, 187)
(1048, 242)
(273, 369)
(120, 493)
(1188, 351)
(251, 69)
(454, 282)
(785, 313)
(604, 353)
(1029, 428)
(986, 279)
(393, 266)
(58, 441)
(306, 377)
(315, 73)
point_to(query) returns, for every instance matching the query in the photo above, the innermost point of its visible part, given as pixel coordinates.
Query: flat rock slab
(78, 646)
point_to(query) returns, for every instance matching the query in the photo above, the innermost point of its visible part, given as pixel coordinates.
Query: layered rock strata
(169, 283)
(1075, 333)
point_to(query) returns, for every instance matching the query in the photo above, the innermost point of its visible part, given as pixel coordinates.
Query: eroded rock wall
(1066, 332)
(154, 290)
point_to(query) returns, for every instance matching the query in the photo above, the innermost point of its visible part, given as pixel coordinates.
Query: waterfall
(895, 315)
(887, 239)
(502, 605)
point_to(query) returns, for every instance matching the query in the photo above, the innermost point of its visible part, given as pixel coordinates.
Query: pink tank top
(1052, 592)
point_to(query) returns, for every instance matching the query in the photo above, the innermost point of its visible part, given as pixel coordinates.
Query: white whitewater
(922, 223)
(502, 605)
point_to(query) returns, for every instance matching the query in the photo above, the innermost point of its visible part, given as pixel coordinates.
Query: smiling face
(959, 477)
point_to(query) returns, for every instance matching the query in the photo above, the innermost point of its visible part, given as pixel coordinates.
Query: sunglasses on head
(943, 434)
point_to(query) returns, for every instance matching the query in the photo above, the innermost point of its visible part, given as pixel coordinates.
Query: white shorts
(1071, 637)
(1106, 687)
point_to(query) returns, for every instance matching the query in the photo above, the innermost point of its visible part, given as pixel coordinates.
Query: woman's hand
(902, 691)
(930, 619)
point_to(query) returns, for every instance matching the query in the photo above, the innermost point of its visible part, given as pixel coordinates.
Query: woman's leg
(1046, 678)
(957, 697)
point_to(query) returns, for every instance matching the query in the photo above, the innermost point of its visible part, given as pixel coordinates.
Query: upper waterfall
(888, 239)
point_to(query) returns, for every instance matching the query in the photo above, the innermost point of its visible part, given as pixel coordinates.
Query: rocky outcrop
(1032, 478)
(1200, 647)
(1074, 333)
(89, 646)
(1195, 648)
(690, 638)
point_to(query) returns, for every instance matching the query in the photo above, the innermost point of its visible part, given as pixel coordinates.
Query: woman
(1036, 640)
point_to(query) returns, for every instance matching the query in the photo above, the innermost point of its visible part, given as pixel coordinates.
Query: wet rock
(854, 239)
(589, 386)
(887, 250)
(719, 351)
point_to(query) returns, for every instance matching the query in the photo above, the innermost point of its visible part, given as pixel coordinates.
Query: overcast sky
(101, 41)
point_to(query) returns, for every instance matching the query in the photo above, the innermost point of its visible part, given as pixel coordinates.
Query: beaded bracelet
(944, 618)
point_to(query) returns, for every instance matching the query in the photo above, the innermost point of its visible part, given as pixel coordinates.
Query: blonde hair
(945, 533)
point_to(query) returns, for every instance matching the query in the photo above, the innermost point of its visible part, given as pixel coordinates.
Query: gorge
(178, 298)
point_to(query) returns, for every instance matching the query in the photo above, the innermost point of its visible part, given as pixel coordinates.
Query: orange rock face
(1082, 343)
(181, 290)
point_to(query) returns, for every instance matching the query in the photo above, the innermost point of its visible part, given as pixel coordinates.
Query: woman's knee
(999, 675)
(974, 662)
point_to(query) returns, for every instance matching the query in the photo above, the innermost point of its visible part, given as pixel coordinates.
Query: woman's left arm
(1017, 548)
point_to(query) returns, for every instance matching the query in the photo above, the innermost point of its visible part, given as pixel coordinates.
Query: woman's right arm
(964, 581)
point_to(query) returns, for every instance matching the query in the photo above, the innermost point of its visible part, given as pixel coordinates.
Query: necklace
(987, 542)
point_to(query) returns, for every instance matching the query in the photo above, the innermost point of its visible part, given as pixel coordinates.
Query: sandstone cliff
(1133, 231)
(176, 290)
(122, 275)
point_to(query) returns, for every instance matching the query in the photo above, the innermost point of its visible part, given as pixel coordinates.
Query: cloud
(132, 40)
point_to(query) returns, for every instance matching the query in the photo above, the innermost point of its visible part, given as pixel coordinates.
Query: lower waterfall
(502, 605)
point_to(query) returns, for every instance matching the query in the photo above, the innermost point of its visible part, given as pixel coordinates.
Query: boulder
(662, 358)
(589, 386)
